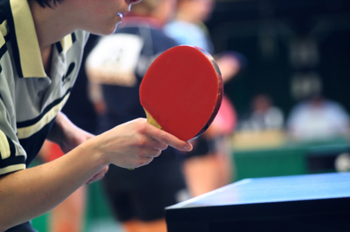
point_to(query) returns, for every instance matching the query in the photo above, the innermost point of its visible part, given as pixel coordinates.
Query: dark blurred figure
(187, 27)
(209, 165)
(263, 115)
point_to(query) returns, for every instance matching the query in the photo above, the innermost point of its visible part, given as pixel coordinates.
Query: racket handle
(152, 121)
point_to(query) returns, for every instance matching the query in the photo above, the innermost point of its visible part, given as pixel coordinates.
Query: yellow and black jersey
(30, 99)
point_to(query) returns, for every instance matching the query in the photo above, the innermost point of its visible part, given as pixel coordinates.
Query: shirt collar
(26, 42)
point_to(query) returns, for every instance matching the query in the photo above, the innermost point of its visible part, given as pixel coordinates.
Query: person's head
(261, 103)
(97, 16)
(161, 10)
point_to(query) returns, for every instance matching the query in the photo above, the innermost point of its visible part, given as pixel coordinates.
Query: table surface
(275, 189)
(314, 203)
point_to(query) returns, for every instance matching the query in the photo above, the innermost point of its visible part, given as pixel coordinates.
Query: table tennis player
(40, 54)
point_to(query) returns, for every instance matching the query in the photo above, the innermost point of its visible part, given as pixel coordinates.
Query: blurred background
(297, 53)
(291, 98)
(288, 44)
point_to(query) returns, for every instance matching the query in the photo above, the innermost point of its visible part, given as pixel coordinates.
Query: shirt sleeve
(12, 155)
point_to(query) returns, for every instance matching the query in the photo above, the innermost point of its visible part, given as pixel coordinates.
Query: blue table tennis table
(317, 202)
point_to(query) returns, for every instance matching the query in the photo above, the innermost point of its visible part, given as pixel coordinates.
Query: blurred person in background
(263, 115)
(318, 118)
(209, 165)
(187, 27)
(115, 68)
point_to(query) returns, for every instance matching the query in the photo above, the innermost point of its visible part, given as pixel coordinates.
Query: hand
(74, 137)
(229, 66)
(135, 143)
(66, 134)
(98, 176)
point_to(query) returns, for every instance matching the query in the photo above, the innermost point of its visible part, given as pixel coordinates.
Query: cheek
(103, 17)
(106, 26)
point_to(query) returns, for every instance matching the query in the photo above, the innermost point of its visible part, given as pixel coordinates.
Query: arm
(31, 192)
(28, 193)
(66, 134)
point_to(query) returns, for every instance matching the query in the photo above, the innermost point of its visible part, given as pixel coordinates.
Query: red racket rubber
(181, 91)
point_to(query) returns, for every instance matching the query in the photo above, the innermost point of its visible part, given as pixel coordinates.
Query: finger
(105, 169)
(157, 145)
(95, 178)
(143, 161)
(98, 176)
(152, 153)
(147, 160)
(169, 139)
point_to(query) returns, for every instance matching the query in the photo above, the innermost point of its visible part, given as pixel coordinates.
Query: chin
(106, 31)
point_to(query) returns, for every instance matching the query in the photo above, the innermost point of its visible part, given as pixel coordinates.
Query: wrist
(92, 148)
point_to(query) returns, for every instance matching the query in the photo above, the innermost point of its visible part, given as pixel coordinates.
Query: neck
(46, 55)
(50, 26)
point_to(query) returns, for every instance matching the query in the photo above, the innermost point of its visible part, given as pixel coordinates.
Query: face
(261, 103)
(102, 16)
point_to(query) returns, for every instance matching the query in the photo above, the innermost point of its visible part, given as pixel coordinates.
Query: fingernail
(188, 147)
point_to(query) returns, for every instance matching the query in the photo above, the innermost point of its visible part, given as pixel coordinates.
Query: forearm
(29, 193)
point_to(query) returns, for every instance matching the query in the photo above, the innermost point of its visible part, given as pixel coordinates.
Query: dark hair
(45, 3)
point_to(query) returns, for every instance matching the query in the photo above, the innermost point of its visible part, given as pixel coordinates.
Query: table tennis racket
(181, 91)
